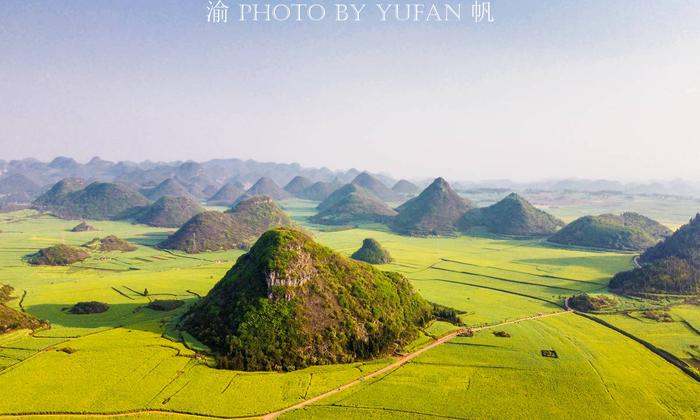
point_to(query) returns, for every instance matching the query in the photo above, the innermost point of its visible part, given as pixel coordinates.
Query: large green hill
(11, 319)
(671, 266)
(236, 228)
(372, 252)
(352, 204)
(99, 200)
(169, 187)
(227, 195)
(437, 210)
(375, 186)
(339, 194)
(290, 303)
(59, 192)
(298, 184)
(627, 232)
(512, 216)
(168, 211)
(266, 187)
(318, 191)
(60, 254)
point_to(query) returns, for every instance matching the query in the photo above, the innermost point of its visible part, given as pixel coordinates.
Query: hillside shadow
(149, 239)
(597, 262)
(134, 316)
(482, 233)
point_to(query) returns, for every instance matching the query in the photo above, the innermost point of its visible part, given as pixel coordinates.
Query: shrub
(58, 255)
(587, 303)
(658, 316)
(165, 305)
(86, 308)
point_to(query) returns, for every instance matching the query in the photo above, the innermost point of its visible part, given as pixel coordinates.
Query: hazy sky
(552, 88)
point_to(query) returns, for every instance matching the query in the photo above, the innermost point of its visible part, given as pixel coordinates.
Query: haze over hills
(670, 187)
(437, 210)
(227, 195)
(627, 232)
(203, 179)
(405, 187)
(291, 302)
(233, 229)
(671, 266)
(298, 184)
(197, 177)
(512, 216)
(319, 191)
(17, 184)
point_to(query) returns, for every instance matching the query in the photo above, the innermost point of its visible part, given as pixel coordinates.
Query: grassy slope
(138, 368)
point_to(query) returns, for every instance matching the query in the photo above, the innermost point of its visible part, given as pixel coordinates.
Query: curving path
(403, 360)
(398, 363)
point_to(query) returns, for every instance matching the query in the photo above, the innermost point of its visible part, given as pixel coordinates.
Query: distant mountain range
(21, 181)
(673, 187)
(149, 174)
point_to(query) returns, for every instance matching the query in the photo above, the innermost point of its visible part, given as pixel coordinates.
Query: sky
(550, 89)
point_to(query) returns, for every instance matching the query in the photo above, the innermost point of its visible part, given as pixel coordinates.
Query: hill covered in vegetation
(227, 195)
(672, 266)
(99, 200)
(291, 303)
(319, 191)
(298, 184)
(372, 252)
(83, 227)
(405, 187)
(591, 303)
(58, 255)
(235, 228)
(627, 232)
(168, 212)
(170, 187)
(437, 210)
(17, 184)
(338, 195)
(266, 187)
(56, 195)
(375, 186)
(352, 204)
(11, 319)
(110, 243)
(88, 308)
(512, 216)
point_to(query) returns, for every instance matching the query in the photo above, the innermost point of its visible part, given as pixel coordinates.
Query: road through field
(403, 360)
(400, 362)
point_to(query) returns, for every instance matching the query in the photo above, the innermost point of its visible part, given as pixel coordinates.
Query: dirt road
(400, 362)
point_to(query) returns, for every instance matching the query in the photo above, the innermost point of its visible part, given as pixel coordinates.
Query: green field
(598, 374)
(130, 358)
